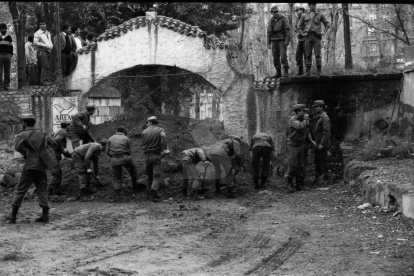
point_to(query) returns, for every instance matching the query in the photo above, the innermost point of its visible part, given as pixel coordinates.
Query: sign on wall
(63, 108)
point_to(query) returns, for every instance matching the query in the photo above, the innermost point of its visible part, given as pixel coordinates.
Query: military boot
(316, 180)
(290, 187)
(82, 196)
(231, 192)
(116, 196)
(278, 73)
(319, 70)
(45, 215)
(300, 71)
(308, 71)
(51, 191)
(13, 216)
(299, 184)
(285, 71)
(256, 183)
(57, 191)
(218, 186)
(263, 182)
(89, 189)
(185, 187)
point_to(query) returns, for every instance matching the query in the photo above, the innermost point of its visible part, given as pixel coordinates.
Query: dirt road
(318, 232)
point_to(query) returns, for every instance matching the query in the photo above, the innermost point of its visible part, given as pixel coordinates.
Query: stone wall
(406, 104)
(355, 103)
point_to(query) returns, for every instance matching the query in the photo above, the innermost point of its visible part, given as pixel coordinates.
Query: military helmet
(90, 107)
(274, 8)
(298, 107)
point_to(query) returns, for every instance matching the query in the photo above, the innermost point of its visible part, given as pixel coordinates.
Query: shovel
(98, 181)
(203, 190)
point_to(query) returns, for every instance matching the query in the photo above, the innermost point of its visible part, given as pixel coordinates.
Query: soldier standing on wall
(300, 48)
(262, 147)
(60, 138)
(310, 27)
(278, 37)
(80, 127)
(32, 143)
(321, 132)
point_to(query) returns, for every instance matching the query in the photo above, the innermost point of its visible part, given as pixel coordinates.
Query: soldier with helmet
(32, 144)
(60, 138)
(80, 127)
(278, 38)
(297, 132)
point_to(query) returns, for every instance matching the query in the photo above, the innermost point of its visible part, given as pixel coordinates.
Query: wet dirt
(270, 232)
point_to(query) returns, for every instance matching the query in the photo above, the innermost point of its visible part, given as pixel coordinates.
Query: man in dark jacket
(32, 144)
(6, 54)
(154, 144)
(278, 37)
(56, 171)
(189, 159)
(119, 150)
(68, 48)
(300, 48)
(82, 159)
(310, 27)
(262, 147)
(221, 155)
(321, 132)
(80, 127)
(297, 132)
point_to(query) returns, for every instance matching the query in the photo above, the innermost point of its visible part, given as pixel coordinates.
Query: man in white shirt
(79, 44)
(43, 42)
(31, 61)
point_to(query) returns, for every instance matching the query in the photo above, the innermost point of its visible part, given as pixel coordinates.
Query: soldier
(32, 144)
(119, 150)
(278, 37)
(189, 160)
(56, 171)
(300, 49)
(310, 28)
(262, 147)
(81, 160)
(221, 154)
(154, 144)
(321, 132)
(297, 133)
(80, 127)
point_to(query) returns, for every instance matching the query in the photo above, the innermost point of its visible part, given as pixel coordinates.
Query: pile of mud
(182, 133)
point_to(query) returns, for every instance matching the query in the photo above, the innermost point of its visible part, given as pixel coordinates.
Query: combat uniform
(61, 142)
(32, 144)
(262, 147)
(310, 28)
(221, 155)
(78, 132)
(119, 149)
(82, 157)
(188, 162)
(300, 48)
(278, 34)
(297, 132)
(321, 132)
(152, 146)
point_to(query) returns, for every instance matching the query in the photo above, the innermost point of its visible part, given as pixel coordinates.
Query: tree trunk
(18, 12)
(292, 34)
(332, 34)
(347, 37)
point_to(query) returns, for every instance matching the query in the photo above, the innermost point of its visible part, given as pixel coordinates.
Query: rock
(9, 180)
(386, 152)
(364, 206)
(353, 170)
(169, 166)
(167, 182)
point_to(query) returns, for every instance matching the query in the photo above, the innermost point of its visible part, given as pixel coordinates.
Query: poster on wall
(63, 108)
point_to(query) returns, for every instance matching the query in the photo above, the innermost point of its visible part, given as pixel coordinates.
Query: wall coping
(344, 78)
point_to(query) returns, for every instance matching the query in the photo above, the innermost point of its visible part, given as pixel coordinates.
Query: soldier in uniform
(119, 150)
(297, 133)
(221, 155)
(300, 48)
(154, 144)
(262, 147)
(189, 159)
(80, 127)
(278, 38)
(56, 171)
(82, 157)
(310, 27)
(32, 144)
(321, 132)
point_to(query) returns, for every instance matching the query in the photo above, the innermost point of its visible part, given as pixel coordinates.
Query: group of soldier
(309, 34)
(225, 155)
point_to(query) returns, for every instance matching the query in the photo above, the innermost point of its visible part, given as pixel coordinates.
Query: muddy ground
(315, 232)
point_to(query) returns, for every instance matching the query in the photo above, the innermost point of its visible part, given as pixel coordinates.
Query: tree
(331, 35)
(347, 37)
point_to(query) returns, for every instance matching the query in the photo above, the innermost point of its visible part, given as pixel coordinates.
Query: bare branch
(397, 11)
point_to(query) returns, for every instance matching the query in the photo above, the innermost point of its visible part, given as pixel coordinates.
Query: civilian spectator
(31, 61)
(42, 40)
(68, 49)
(6, 53)
(79, 44)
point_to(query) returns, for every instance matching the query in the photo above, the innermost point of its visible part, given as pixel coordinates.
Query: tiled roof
(266, 84)
(210, 41)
